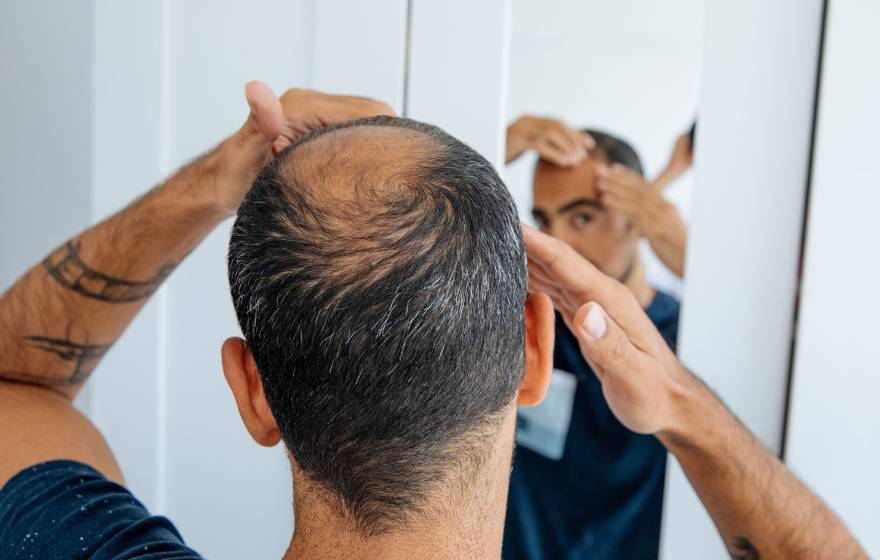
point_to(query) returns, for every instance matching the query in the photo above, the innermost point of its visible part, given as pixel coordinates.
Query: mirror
(603, 101)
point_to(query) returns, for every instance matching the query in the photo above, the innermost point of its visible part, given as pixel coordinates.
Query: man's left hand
(627, 192)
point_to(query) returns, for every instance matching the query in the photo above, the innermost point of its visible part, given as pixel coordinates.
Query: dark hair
(616, 150)
(388, 328)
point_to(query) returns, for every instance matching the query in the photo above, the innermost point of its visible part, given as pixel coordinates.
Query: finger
(623, 203)
(567, 141)
(603, 343)
(552, 153)
(266, 115)
(581, 282)
(611, 186)
(588, 140)
(580, 142)
(280, 143)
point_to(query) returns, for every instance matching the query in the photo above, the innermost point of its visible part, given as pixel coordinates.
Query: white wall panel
(458, 70)
(126, 161)
(45, 139)
(360, 48)
(752, 159)
(834, 424)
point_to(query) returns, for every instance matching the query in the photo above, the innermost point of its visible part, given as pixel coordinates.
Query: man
(389, 337)
(378, 272)
(598, 491)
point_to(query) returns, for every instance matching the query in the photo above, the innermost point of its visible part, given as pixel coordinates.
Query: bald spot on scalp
(363, 161)
(362, 194)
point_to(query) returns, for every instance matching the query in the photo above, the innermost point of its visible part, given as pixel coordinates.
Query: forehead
(554, 186)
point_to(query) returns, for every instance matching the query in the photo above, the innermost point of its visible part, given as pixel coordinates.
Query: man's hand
(760, 509)
(625, 191)
(552, 139)
(640, 375)
(272, 125)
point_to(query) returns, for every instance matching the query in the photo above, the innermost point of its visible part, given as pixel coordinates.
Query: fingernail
(594, 324)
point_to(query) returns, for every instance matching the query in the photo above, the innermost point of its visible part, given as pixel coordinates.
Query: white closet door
(834, 423)
(752, 159)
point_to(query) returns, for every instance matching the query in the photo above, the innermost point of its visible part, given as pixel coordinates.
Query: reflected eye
(581, 220)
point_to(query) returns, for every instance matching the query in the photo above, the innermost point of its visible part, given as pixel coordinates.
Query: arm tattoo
(66, 266)
(83, 356)
(743, 549)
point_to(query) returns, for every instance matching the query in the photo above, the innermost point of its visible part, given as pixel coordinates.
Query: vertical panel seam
(792, 359)
(407, 46)
(161, 440)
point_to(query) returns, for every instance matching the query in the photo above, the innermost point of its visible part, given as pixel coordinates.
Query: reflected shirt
(68, 510)
(603, 499)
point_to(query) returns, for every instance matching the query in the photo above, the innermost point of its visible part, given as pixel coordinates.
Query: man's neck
(469, 524)
(637, 282)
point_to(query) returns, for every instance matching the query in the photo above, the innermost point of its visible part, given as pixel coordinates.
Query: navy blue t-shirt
(68, 511)
(603, 499)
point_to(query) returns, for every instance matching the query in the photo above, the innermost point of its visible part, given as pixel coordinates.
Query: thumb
(603, 343)
(266, 116)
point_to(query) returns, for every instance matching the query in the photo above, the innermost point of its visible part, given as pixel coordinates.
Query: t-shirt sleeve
(68, 510)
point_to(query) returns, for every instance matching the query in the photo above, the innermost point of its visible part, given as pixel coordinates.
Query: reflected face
(566, 205)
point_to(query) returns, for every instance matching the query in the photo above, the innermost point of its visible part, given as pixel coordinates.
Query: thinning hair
(378, 273)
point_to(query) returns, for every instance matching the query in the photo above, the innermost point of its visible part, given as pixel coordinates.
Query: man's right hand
(760, 508)
(554, 140)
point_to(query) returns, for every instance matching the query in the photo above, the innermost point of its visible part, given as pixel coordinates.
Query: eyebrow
(579, 202)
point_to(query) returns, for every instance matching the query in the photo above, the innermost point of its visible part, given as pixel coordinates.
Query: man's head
(378, 273)
(566, 205)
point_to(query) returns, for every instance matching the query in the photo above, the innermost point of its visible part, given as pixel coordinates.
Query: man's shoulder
(66, 509)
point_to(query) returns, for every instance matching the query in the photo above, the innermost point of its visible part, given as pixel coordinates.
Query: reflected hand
(274, 124)
(554, 141)
(682, 153)
(680, 161)
(625, 191)
(639, 373)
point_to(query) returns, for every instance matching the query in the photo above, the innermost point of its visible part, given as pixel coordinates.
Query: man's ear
(243, 377)
(540, 322)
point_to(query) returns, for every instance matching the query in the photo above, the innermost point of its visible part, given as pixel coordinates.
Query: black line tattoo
(84, 357)
(743, 549)
(66, 267)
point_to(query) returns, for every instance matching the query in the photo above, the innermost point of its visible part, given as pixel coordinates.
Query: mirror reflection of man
(583, 485)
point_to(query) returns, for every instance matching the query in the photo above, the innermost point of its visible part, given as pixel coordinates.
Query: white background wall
(630, 67)
(834, 424)
(46, 114)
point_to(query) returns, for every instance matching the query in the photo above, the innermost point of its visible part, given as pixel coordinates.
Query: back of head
(378, 273)
(616, 150)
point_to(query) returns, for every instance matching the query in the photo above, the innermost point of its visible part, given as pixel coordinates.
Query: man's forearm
(760, 508)
(58, 320)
